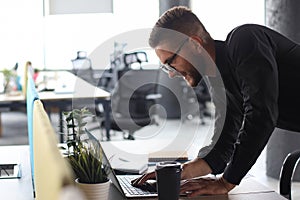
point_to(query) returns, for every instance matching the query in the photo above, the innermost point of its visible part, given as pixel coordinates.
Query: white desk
(84, 93)
(18, 189)
(10, 101)
(21, 189)
(258, 192)
(77, 88)
(249, 189)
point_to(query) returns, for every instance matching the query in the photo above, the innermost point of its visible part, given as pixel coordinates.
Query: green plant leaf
(84, 154)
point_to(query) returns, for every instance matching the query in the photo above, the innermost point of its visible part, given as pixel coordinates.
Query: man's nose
(174, 74)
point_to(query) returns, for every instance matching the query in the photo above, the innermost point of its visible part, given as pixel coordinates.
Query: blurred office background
(50, 41)
(30, 32)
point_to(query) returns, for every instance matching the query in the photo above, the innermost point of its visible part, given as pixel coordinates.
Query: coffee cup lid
(172, 164)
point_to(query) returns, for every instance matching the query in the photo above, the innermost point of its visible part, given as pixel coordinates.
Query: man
(258, 67)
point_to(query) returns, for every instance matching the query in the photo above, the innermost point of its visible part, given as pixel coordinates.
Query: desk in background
(79, 93)
(84, 92)
(8, 102)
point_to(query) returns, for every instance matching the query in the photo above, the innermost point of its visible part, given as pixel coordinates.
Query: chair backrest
(82, 67)
(81, 61)
(52, 172)
(132, 89)
(31, 96)
(135, 57)
(287, 172)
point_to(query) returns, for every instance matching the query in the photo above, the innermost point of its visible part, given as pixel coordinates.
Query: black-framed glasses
(167, 67)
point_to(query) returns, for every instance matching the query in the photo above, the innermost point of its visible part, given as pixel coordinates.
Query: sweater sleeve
(257, 72)
(219, 152)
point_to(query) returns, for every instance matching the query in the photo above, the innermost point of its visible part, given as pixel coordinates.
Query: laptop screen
(106, 163)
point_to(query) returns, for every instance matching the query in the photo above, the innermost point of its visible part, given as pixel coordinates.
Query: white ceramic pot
(94, 191)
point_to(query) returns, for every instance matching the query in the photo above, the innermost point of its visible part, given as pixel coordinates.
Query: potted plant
(10, 78)
(85, 155)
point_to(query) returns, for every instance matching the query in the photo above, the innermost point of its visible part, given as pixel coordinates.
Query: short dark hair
(180, 19)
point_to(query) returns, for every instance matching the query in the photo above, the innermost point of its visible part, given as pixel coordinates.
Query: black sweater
(260, 69)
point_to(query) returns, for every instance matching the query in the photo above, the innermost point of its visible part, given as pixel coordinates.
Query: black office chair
(198, 95)
(182, 101)
(132, 99)
(82, 67)
(134, 57)
(287, 172)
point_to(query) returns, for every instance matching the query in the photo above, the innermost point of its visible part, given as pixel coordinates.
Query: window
(67, 34)
(52, 41)
(220, 17)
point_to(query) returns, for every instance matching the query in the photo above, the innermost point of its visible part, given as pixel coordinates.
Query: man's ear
(197, 43)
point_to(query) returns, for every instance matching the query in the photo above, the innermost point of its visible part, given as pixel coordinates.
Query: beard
(192, 74)
(193, 79)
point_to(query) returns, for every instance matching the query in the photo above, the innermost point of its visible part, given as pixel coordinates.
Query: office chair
(287, 172)
(82, 67)
(131, 101)
(135, 57)
(182, 101)
(123, 61)
(199, 95)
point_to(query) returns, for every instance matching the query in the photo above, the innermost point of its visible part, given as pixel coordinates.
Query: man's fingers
(201, 191)
(193, 189)
(197, 187)
(190, 186)
(136, 181)
(143, 179)
(185, 183)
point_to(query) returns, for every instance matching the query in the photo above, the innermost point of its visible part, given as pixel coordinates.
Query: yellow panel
(52, 172)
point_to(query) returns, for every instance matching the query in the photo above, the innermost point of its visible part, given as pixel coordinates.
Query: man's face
(181, 64)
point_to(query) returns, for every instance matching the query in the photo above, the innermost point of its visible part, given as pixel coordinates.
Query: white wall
(220, 17)
(20, 32)
(66, 34)
(52, 41)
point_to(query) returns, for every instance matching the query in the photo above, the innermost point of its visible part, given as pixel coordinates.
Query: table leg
(0, 126)
(107, 118)
(61, 126)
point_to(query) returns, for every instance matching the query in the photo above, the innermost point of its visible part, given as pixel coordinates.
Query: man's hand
(205, 186)
(191, 169)
(142, 179)
(195, 168)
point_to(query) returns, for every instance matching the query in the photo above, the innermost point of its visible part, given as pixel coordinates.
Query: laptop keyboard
(145, 189)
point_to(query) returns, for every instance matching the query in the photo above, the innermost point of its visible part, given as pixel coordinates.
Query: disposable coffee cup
(168, 180)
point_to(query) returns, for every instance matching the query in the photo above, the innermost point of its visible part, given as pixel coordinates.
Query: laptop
(123, 182)
(10, 165)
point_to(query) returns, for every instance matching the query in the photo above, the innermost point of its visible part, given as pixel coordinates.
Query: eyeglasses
(167, 67)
